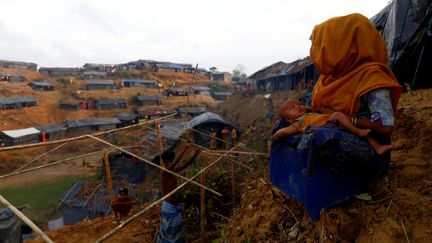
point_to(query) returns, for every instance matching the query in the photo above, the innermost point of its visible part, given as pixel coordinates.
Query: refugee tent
(147, 100)
(100, 85)
(91, 75)
(73, 105)
(91, 124)
(12, 77)
(139, 83)
(17, 102)
(127, 119)
(176, 92)
(126, 168)
(221, 95)
(20, 136)
(171, 132)
(109, 104)
(41, 86)
(153, 112)
(87, 201)
(406, 28)
(51, 132)
(192, 111)
(201, 90)
(10, 227)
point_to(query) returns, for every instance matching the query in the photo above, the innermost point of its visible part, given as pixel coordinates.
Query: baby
(297, 115)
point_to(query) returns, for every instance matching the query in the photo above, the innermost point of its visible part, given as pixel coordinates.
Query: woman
(327, 165)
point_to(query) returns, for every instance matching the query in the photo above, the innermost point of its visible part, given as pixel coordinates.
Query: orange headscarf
(352, 58)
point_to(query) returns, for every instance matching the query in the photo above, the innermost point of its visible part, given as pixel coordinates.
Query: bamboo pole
(40, 156)
(108, 176)
(160, 143)
(129, 220)
(48, 165)
(155, 165)
(82, 136)
(26, 220)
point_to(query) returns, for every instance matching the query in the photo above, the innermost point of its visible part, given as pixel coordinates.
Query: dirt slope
(402, 200)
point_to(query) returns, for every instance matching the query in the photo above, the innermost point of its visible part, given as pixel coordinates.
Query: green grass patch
(42, 198)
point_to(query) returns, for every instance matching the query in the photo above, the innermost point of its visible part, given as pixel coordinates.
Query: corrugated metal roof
(51, 128)
(222, 93)
(45, 84)
(192, 109)
(139, 81)
(106, 101)
(200, 88)
(108, 82)
(14, 100)
(92, 122)
(21, 132)
(126, 116)
(146, 98)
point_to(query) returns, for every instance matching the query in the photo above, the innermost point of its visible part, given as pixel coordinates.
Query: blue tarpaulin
(324, 167)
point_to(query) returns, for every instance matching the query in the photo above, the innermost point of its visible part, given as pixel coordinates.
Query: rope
(155, 165)
(129, 220)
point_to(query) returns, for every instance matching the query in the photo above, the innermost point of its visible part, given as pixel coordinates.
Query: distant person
(213, 135)
(296, 114)
(233, 136)
(226, 135)
(270, 109)
(122, 204)
(171, 227)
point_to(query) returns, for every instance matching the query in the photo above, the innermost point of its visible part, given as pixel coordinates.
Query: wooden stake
(108, 177)
(160, 143)
(26, 220)
(129, 220)
(153, 164)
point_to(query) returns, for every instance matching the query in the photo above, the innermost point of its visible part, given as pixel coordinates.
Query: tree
(213, 69)
(239, 71)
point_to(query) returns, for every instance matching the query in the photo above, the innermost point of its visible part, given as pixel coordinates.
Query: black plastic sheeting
(10, 227)
(405, 26)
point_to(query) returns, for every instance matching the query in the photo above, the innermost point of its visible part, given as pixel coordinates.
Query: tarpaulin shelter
(17, 102)
(147, 100)
(193, 111)
(139, 83)
(109, 104)
(221, 95)
(19, 136)
(87, 201)
(406, 28)
(125, 167)
(41, 86)
(171, 132)
(52, 131)
(91, 124)
(10, 227)
(100, 85)
(127, 119)
(153, 112)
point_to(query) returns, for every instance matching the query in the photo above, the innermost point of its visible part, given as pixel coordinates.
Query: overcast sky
(220, 33)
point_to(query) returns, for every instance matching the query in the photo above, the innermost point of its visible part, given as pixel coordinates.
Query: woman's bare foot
(382, 149)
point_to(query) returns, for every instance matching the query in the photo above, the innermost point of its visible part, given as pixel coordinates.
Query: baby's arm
(287, 131)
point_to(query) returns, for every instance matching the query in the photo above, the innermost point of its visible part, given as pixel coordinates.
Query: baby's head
(291, 109)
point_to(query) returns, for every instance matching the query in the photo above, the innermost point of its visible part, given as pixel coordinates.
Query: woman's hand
(376, 126)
